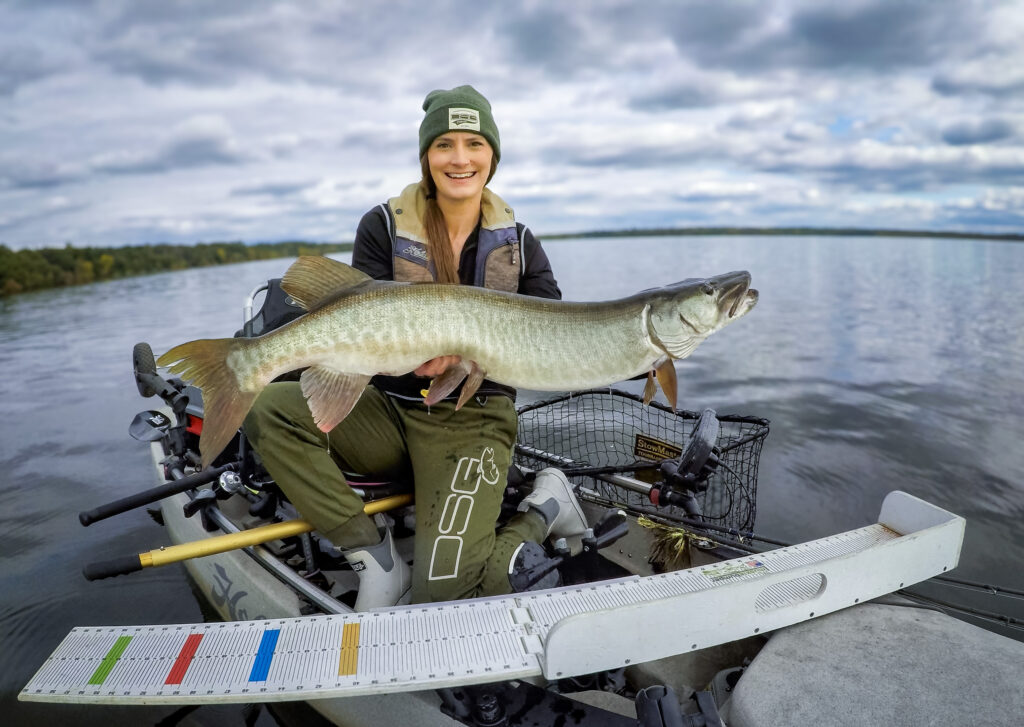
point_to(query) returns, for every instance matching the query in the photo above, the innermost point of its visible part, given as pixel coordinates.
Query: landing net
(607, 431)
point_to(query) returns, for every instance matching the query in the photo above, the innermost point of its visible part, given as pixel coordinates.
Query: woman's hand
(437, 366)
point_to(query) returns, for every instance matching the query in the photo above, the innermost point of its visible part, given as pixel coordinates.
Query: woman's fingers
(437, 366)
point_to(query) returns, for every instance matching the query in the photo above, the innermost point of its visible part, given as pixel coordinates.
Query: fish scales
(519, 341)
(357, 327)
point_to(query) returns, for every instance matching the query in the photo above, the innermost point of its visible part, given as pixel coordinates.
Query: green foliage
(26, 270)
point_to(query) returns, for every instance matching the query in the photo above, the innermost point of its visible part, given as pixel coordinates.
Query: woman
(447, 228)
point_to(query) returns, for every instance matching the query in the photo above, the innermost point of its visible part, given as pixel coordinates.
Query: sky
(127, 122)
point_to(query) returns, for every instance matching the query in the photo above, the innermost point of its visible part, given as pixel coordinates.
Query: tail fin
(225, 405)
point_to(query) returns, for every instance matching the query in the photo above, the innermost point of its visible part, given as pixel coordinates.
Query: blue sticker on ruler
(264, 655)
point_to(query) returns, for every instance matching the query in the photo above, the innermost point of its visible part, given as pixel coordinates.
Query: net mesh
(613, 432)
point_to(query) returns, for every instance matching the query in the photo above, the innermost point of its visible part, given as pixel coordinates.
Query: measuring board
(555, 633)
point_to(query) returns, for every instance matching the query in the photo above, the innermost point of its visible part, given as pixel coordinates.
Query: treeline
(26, 270)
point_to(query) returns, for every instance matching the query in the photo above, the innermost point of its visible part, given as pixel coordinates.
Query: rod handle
(88, 517)
(110, 568)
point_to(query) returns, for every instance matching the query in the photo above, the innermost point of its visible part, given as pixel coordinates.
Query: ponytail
(439, 246)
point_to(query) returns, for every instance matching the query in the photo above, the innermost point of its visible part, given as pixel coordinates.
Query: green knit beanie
(460, 109)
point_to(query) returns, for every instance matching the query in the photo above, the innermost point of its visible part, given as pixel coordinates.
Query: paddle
(220, 544)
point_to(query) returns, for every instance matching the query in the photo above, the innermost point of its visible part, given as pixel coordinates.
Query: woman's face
(460, 163)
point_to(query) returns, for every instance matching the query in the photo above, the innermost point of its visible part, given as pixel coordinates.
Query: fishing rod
(88, 517)
(980, 587)
(999, 618)
(740, 541)
(942, 605)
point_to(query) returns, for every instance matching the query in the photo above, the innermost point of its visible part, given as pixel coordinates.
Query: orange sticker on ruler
(349, 657)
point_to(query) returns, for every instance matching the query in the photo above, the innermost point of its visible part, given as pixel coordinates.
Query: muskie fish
(357, 327)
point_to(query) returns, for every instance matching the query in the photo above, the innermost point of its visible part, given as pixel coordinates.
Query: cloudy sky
(125, 122)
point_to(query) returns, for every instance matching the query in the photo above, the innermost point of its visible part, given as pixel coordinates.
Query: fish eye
(707, 289)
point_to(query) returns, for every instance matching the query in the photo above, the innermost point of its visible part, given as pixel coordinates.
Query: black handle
(139, 499)
(615, 526)
(110, 568)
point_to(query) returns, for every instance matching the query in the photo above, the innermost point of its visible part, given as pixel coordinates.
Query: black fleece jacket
(372, 254)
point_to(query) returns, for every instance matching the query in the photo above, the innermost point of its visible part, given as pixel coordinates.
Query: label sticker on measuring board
(733, 569)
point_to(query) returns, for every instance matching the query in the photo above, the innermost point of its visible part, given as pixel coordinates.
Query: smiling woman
(453, 178)
(447, 228)
(460, 144)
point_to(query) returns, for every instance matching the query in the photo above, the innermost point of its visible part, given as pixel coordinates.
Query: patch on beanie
(463, 119)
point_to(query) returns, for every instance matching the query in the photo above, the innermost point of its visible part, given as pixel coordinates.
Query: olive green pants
(457, 460)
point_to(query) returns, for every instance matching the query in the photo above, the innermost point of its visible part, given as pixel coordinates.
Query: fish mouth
(737, 298)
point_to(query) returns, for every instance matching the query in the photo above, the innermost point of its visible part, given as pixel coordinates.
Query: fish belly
(542, 345)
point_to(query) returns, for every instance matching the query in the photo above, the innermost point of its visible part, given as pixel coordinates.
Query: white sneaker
(556, 502)
(384, 578)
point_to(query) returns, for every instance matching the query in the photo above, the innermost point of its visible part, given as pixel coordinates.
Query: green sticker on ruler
(105, 667)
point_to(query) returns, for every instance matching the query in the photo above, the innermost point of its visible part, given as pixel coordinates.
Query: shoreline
(34, 269)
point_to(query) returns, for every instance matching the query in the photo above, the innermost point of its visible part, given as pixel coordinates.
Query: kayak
(669, 611)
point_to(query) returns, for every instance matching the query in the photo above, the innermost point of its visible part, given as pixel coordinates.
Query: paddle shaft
(220, 543)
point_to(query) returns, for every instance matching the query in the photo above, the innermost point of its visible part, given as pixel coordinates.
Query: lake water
(882, 364)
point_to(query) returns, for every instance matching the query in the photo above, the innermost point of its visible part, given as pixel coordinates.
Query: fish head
(683, 314)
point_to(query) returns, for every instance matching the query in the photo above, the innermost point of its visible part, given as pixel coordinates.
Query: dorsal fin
(312, 280)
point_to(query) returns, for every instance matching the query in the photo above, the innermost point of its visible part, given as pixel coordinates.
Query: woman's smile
(459, 164)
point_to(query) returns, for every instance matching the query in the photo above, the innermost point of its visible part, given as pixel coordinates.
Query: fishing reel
(688, 474)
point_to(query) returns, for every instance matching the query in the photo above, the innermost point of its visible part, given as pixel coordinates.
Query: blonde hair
(439, 245)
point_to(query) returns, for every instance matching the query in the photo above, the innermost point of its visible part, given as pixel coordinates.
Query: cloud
(993, 208)
(50, 208)
(718, 191)
(977, 132)
(22, 171)
(322, 43)
(690, 93)
(868, 35)
(875, 166)
(265, 119)
(990, 81)
(197, 142)
(882, 34)
(805, 132)
(272, 189)
(21, 64)
(547, 37)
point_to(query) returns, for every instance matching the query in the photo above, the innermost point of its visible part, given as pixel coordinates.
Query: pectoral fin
(446, 382)
(331, 394)
(473, 381)
(466, 373)
(666, 372)
(649, 388)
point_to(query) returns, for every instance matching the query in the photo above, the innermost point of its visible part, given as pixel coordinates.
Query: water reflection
(882, 363)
